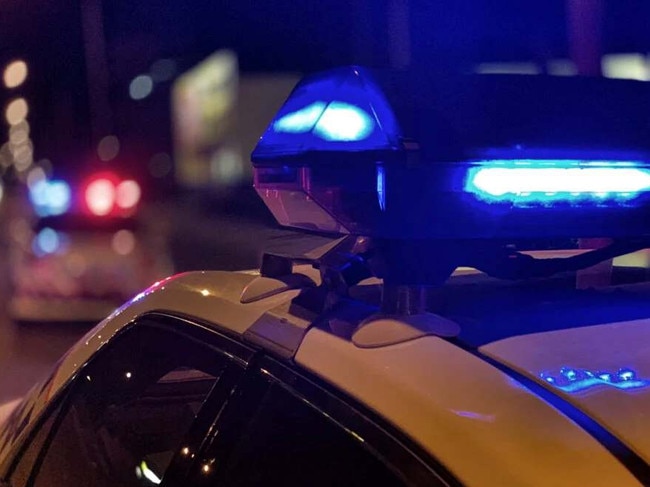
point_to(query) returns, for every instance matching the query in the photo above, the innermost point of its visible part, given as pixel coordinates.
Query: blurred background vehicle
(83, 249)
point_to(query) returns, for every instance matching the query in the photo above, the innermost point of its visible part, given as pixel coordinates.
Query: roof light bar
(557, 181)
(411, 156)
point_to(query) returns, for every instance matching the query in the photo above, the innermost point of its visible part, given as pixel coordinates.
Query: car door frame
(231, 348)
(401, 455)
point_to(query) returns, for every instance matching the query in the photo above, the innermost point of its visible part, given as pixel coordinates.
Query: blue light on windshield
(578, 380)
(540, 181)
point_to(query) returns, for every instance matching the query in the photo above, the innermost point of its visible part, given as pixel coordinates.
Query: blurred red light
(128, 194)
(100, 196)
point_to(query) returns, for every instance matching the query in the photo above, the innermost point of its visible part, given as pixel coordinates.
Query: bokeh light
(15, 73)
(163, 70)
(48, 197)
(18, 135)
(23, 157)
(123, 242)
(160, 165)
(46, 164)
(16, 111)
(100, 197)
(127, 194)
(46, 242)
(36, 175)
(141, 87)
(108, 148)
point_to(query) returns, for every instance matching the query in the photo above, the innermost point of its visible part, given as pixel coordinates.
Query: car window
(34, 446)
(288, 442)
(130, 411)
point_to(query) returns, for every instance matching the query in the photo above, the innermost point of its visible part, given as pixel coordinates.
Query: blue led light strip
(549, 181)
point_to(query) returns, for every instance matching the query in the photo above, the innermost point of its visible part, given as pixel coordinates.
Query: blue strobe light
(537, 181)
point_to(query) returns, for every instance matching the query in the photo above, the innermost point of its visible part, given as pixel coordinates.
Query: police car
(353, 364)
(84, 250)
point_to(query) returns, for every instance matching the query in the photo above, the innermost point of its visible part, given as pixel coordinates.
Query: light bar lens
(557, 181)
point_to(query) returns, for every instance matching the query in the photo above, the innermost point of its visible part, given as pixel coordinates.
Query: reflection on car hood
(603, 370)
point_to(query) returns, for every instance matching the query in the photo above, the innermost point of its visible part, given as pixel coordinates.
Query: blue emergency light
(405, 155)
(551, 181)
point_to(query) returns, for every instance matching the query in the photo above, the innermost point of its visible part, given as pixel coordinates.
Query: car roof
(461, 409)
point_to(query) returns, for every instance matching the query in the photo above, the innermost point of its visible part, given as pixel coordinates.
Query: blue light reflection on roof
(557, 180)
(573, 380)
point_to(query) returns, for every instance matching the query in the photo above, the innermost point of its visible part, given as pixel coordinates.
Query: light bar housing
(404, 156)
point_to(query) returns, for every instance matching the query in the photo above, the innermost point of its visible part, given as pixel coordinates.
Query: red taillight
(127, 194)
(100, 196)
(105, 195)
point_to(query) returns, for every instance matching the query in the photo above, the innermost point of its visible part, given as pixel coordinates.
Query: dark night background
(82, 56)
(267, 36)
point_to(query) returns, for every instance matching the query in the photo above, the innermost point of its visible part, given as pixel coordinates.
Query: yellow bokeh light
(108, 148)
(16, 111)
(15, 73)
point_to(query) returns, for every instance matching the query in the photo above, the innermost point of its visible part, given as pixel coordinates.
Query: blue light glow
(300, 121)
(50, 198)
(47, 241)
(342, 110)
(344, 122)
(381, 187)
(562, 180)
(336, 122)
(578, 380)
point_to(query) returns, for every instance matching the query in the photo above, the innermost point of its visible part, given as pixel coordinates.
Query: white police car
(352, 364)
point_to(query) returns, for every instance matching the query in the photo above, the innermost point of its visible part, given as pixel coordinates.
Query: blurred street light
(141, 87)
(16, 111)
(15, 73)
(108, 148)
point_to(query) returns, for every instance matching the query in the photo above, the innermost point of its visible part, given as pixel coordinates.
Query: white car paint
(605, 348)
